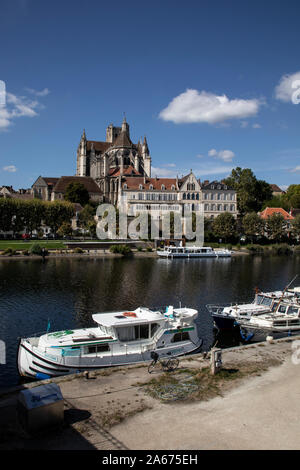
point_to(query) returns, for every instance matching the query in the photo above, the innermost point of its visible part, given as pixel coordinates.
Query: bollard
(215, 360)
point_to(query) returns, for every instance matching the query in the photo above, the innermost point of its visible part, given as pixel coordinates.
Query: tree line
(17, 215)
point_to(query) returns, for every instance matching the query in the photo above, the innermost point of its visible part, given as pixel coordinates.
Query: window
(173, 187)
(125, 186)
(98, 348)
(181, 336)
(163, 187)
(151, 186)
(141, 186)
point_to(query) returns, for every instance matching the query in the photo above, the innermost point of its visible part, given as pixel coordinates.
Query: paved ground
(263, 413)
(112, 411)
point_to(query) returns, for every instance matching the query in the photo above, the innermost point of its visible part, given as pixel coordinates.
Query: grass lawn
(21, 245)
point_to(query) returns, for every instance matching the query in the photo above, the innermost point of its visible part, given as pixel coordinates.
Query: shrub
(25, 252)
(78, 250)
(149, 248)
(139, 248)
(36, 249)
(121, 249)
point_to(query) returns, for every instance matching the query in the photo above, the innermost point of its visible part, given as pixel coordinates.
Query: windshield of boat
(263, 300)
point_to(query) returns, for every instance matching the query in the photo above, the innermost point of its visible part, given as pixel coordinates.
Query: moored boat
(193, 252)
(118, 338)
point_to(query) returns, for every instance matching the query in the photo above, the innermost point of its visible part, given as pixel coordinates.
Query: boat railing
(212, 308)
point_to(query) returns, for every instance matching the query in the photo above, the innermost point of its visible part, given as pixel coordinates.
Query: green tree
(296, 227)
(251, 193)
(253, 225)
(65, 230)
(76, 192)
(275, 227)
(7, 211)
(56, 213)
(224, 226)
(293, 196)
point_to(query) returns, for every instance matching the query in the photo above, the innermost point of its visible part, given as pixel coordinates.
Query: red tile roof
(127, 171)
(135, 182)
(276, 189)
(87, 182)
(275, 210)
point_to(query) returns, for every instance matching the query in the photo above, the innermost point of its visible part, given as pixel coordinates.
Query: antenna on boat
(179, 303)
(284, 291)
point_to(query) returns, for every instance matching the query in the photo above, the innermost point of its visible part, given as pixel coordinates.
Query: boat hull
(260, 334)
(36, 364)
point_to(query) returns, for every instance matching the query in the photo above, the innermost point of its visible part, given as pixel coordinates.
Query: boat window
(97, 349)
(126, 333)
(133, 333)
(266, 301)
(141, 331)
(259, 299)
(280, 323)
(182, 336)
(292, 309)
(282, 308)
(274, 306)
(154, 328)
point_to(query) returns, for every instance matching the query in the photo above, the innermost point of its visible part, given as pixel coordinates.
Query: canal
(65, 292)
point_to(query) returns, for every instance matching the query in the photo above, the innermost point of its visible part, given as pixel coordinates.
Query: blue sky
(208, 83)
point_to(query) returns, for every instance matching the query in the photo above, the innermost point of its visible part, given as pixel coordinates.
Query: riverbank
(253, 403)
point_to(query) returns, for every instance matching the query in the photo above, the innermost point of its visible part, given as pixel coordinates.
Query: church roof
(87, 182)
(122, 140)
(98, 146)
(127, 171)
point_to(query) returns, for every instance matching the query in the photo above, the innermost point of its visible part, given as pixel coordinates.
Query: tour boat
(117, 339)
(192, 252)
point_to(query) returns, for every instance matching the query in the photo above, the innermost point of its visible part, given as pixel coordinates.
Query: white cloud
(284, 90)
(10, 168)
(16, 107)
(244, 124)
(193, 106)
(163, 172)
(225, 155)
(170, 165)
(43, 92)
(256, 126)
(296, 169)
(215, 170)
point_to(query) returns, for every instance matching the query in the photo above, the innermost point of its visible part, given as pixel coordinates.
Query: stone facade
(107, 161)
(217, 197)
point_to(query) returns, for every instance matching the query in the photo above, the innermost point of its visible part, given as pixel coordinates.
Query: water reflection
(68, 291)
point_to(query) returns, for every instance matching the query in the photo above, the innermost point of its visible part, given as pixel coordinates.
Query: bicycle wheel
(172, 364)
(151, 367)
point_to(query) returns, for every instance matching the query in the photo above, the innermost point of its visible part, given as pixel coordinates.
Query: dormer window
(173, 187)
(151, 186)
(141, 186)
(125, 186)
(163, 187)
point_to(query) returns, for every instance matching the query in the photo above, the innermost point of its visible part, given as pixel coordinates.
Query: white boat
(272, 324)
(192, 252)
(283, 306)
(118, 338)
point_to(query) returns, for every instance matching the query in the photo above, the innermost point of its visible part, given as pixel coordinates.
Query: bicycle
(167, 365)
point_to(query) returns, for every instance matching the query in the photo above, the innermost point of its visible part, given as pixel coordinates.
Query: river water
(68, 291)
